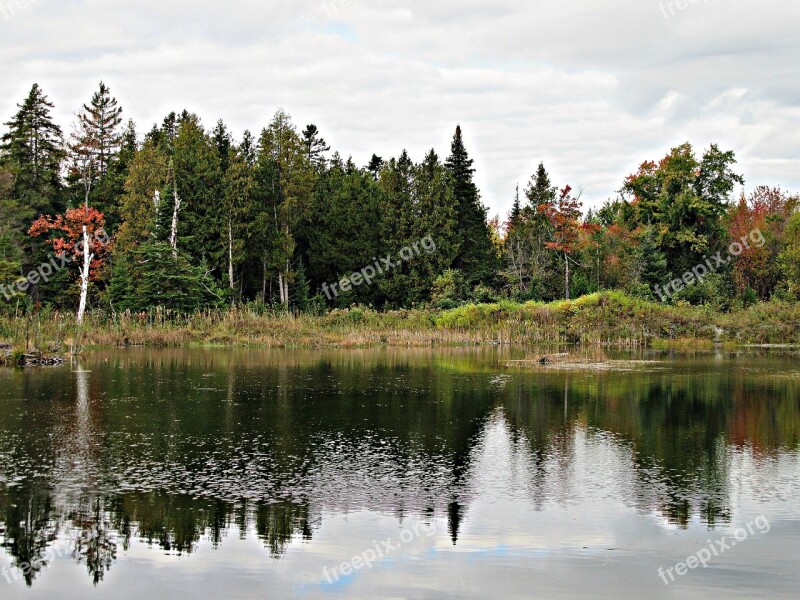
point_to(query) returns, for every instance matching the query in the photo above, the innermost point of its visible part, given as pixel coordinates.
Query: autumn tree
(564, 216)
(758, 224)
(77, 234)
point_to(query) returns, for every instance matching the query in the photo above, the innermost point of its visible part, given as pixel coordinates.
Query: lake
(399, 473)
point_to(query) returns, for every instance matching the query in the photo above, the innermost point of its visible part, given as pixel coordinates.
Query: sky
(590, 88)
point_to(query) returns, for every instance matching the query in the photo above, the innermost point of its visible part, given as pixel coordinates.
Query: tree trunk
(280, 287)
(87, 258)
(566, 272)
(286, 285)
(87, 261)
(173, 235)
(264, 281)
(230, 255)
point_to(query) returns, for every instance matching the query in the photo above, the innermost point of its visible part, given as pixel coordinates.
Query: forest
(187, 218)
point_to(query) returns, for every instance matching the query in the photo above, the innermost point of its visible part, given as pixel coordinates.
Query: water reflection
(169, 448)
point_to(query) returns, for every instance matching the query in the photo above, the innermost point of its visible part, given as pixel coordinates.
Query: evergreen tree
(515, 216)
(223, 141)
(284, 160)
(397, 183)
(375, 165)
(476, 258)
(198, 183)
(151, 276)
(342, 237)
(248, 148)
(540, 191)
(239, 184)
(651, 261)
(98, 124)
(33, 150)
(436, 212)
(145, 189)
(315, 146)
(111, 188)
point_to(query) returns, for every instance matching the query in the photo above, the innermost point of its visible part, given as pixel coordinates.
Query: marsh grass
(607, 319)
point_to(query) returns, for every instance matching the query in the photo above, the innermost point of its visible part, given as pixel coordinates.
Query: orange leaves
(66, 234)
(565, 217)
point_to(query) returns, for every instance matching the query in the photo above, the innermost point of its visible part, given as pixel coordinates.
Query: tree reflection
(174, 453)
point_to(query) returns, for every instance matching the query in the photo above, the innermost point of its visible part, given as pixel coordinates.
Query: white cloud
(590, 88)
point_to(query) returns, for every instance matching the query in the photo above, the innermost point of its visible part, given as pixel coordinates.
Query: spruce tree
(33, 150)
(651, 260)
(224, 144)
(540, 191)
(476, 258)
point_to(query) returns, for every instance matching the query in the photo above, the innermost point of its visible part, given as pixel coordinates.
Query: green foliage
(476, 258)
(449, 289)
(150, 276)
(789, 259)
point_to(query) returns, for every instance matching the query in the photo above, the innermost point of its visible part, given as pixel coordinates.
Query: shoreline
(606, 320)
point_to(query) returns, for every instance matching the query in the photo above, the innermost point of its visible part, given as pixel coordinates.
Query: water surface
(455, 473)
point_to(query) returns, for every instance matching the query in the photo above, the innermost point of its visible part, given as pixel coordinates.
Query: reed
(607, 319)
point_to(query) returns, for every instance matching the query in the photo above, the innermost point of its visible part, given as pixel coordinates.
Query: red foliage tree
(70, 241)
(565, 217)
(760, 221)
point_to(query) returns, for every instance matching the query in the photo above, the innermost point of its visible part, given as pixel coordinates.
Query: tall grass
(602, 319)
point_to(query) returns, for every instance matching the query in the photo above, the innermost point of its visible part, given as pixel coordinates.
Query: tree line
(193, 218)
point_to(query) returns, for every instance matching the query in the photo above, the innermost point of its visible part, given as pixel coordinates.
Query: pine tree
(151, 276)
(476, 258)
(315, 146)
(98, 124)
(375, 165)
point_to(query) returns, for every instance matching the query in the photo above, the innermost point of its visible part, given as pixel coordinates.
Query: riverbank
(608, 319)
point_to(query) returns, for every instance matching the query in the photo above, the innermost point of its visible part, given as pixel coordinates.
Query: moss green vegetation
(602, 319)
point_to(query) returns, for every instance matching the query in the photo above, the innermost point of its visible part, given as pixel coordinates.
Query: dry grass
(601, 320)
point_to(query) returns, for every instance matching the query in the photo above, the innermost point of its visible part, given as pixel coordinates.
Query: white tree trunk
(173, 235)
(566, 271)
(230, 254)
(87, 261)
(286, 285)
(280, 288)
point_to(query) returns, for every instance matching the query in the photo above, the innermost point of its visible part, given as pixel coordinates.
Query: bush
(449, 286)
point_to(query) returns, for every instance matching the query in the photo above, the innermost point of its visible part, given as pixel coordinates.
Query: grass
(609, 319)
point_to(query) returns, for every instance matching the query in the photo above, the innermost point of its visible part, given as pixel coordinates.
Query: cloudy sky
(592, 88)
